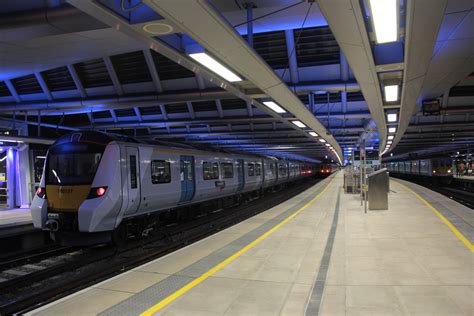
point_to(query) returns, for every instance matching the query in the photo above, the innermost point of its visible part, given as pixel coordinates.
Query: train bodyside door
(240, 175)
(186, 174)
(133, 179)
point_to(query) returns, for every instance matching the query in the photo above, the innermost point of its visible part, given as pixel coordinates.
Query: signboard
(371, 157)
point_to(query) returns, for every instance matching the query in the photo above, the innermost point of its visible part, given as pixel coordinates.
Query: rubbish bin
(378, 189)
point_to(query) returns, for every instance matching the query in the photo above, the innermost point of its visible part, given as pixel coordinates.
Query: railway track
(65, 273)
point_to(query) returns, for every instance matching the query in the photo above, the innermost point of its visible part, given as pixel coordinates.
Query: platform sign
(371, 157)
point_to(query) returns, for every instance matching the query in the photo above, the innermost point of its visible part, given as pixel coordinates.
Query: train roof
(101, 138)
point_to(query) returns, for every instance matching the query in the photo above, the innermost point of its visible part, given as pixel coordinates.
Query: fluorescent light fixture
(11, 141)
(391, 93)
(389, 142)
(385, 20)
(2, 159)
(322, 140)
(392, 129)
(274, 107)
(392, 117)
(390, 137)
(328, 145)
(314, 134)
(298, 123)
(215, 66)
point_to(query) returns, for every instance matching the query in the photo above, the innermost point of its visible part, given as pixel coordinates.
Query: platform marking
(456, 232)
(313, 306)
(160, 305)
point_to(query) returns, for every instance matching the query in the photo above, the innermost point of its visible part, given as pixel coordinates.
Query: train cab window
(210, 170)
(133, 172)
(71, 164)
(160, 171)
(251, 169)
(227, 170)
(258, 169)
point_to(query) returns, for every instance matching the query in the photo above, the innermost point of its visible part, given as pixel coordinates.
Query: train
(440, 167)
(100, 188)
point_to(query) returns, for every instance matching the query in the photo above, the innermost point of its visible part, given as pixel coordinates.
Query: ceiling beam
(153, 71)
(44, 86)
(77, 81)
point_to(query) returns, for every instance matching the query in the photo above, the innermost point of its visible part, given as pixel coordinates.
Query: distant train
(437, 167)
(326, 169)
(96, 187)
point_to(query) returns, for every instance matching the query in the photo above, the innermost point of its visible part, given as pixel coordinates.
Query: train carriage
(93, 182)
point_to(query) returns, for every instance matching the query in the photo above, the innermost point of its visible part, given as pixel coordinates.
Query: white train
(436, 167)
(96, 186)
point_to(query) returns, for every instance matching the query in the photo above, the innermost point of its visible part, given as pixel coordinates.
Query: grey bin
(378, 187)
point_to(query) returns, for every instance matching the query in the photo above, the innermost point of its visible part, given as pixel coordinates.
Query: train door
(186, 174)
(133, 175)
(240, 175)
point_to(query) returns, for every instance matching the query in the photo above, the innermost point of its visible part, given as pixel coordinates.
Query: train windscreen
(73, 164)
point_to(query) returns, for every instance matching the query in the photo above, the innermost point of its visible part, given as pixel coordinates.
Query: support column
(11, 178)
(249, 6)
(292, 62)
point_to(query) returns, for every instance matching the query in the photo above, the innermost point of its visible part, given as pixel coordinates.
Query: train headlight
(449, 170)
(41, 192)
(97, 192)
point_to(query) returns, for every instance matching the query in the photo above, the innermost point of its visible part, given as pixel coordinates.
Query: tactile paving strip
(433, 198)
(314, 303)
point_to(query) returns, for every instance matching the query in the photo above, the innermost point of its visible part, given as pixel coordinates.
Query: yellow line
(204, 276)
(456, 232)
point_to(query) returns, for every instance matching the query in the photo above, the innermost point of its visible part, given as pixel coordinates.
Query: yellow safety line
(456, 232)
(157, 307)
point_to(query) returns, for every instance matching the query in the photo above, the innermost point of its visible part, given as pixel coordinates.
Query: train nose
(52, 225)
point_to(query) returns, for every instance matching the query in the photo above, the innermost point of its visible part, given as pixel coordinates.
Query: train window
(227, 170)
(282, 169)
(160, 171)
(251, 168)
(210, 170)
(258, 169)
(133, 172)
(272, 168)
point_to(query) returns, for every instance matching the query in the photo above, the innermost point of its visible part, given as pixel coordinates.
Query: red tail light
(100, 191)
(41, 192)
(97, 192)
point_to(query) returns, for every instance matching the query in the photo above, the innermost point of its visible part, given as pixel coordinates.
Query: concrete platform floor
(14, 217)
(403, 261)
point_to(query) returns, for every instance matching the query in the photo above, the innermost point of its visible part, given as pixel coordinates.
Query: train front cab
(78, 179)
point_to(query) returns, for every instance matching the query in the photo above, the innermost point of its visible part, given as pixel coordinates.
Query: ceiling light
(392, 117)
(328, 145)
(322, 140)
(215, 66)
(392, 129)
(11, 141)
(385, 20)
(390, 137)
(274, 107)
(389, 142)
(298, 123)
(314, 134)
(391, 93)
(157, 28)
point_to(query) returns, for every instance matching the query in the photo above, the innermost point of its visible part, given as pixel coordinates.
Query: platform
(15, 217)
(315, 254)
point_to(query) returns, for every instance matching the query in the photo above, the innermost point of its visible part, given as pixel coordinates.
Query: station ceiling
(82, 64)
